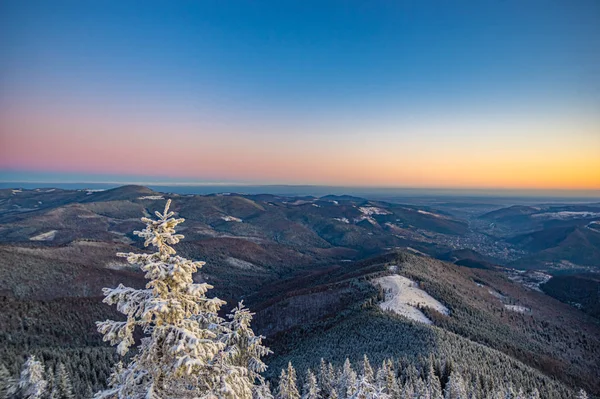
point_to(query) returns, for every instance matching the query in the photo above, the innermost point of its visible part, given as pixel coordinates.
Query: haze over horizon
(485, 95)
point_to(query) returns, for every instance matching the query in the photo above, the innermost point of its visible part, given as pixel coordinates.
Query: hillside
(308, 267)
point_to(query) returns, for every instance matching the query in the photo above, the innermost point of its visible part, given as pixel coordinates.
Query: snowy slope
(403, 296)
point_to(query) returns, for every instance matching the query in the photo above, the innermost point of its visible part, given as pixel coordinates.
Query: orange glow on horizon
(84, 143)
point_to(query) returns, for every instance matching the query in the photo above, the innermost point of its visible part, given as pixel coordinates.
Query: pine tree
(325, 379)
(347, 380)
(7, 383)
(63, 383)
(262, 391)
(287, 384)
(32, 384)
(51, 388)
(455, 389)
(187, 351)
(310, 389)
(247, 348)
(368, 373)
(434, 387)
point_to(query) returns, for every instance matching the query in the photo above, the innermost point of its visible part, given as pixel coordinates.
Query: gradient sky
(502, 94)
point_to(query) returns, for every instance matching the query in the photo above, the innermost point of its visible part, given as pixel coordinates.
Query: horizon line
(248, 184)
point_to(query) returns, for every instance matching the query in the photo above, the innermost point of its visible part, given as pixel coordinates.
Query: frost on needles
(188, 351)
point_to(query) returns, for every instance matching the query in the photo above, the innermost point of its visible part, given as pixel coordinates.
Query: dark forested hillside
(308, 268)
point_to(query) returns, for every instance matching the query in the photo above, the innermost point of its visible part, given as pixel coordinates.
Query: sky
(448, 94)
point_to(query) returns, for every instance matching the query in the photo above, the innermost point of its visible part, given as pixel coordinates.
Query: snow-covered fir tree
(455, 388)
(62, 383)
(288, 388)
(247, 347)
(326, 377)
(7, 383)
(347, 382)
(262, 391)
(311, 388)
(188, 351)
(581, 394)
(32, 384)
(368, 373)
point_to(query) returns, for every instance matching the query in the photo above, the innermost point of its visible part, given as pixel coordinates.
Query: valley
(308, 267)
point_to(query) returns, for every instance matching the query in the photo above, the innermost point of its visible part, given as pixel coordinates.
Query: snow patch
(416, 251)
(15, 192)
(367, 218)
(228, 218)
(92, 191)
(496, 294)
(152, 197)
(343, 220)
(48, 236)
(242, 264)
(517, 308)
(120, 266)
(430, 214)
(373, 210)
(404, 296)
(566, 215)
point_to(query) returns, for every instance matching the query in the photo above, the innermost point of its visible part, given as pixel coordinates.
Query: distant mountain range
(306, 266)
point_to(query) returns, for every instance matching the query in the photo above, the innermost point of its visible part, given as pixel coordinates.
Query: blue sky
(217, 74)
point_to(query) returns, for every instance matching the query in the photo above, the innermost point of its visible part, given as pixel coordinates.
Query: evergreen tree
(63, 383)
(455, 389)
(325, 379)
(347, 381)
(581, 394)
(368, 373)
(7, 383)
(287, 384)
(247, 348)
(32, 384)
(434, 387)
(187, 351)
(262, 391)
(51, 388)
(310, 389)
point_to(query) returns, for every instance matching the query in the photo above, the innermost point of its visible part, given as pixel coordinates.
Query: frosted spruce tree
(32, 384)
(287, 384)
(188, 351)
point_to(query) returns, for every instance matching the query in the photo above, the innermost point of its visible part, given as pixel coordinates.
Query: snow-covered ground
(151, 197)
(367, 218)
(48, 236)
(517, 308)
(430, 214)
(566, 215)
(92, 191)
(403, 296)
(373, 210)
(228, 218)
(496, 294)
(343, 220)
(242, 264)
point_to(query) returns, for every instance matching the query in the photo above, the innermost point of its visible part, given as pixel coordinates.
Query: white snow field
(228, 218)
(373, 210)
(517, 308)
(48, 236)
(152, 197)
(404, 295)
